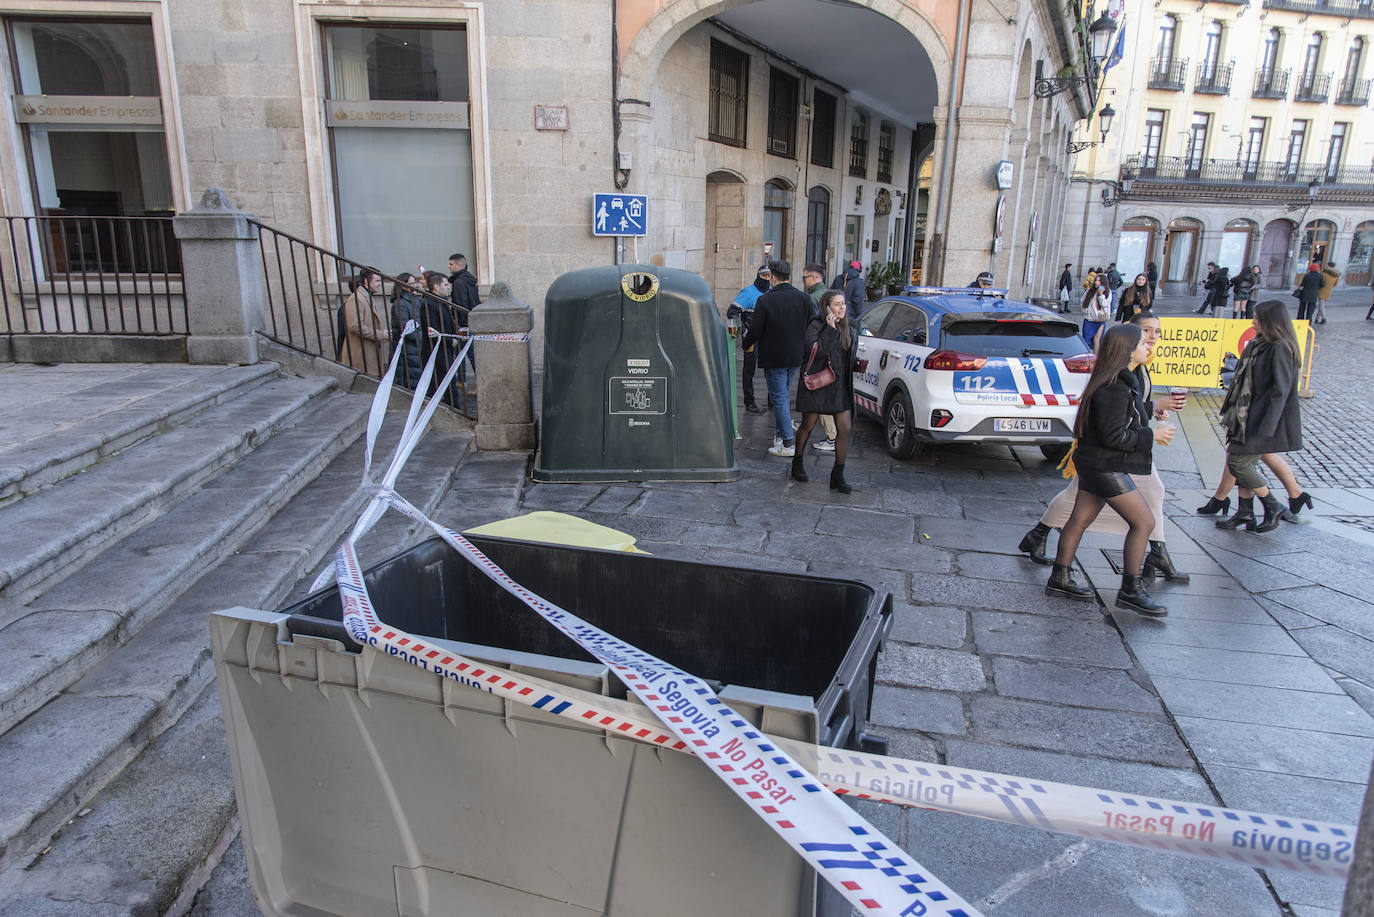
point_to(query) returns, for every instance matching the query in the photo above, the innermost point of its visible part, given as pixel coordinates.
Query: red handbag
(820, 379)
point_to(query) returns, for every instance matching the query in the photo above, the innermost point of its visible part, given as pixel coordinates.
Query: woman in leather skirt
(1113, 440)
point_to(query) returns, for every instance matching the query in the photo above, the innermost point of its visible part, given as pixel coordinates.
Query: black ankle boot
(1062, 583)
(1134, 597)
(1295, 504)
(837, 479)
(1245, 515)
(798, 469)
(1214, 506)
(1158, 560)
(1034, 543)
(1274, 513)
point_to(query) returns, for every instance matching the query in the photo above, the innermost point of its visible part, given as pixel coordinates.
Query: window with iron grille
(858, 146)
(782, 113)
(887, 139)
(729, 94)
(823, 130)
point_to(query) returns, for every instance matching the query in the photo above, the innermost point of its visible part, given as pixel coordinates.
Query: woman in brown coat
(366, 336)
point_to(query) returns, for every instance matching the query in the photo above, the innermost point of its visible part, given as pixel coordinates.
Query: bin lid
(559, 528)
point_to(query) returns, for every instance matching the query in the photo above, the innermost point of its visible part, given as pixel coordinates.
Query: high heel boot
(1034, 543)
(1214, 506)
(1158, 560)
(1295, 504)
(837, 481)
(1134, 597)
(799, 469)
(1245, 515)
(1273, 514)
(1062, 583)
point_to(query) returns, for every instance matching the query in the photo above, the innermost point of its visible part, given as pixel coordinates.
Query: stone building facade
(398, 132)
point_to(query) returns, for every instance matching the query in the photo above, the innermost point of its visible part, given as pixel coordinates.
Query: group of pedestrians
(1314, 290)
(1106, 298)
(1223, 290)
(369, 326)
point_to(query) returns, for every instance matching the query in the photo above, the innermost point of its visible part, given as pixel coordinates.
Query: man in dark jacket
(464, 285)
(1308, 288)
(1066, 288)
(779, 331)
(854, 294)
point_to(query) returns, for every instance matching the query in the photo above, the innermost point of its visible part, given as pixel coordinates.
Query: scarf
(1235, 407)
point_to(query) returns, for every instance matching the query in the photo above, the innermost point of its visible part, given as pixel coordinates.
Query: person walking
(405, 306)
(1218, 284)
(1114, 283)
(831, 341)
(1242, 285)
(813, 278)
(1330, 277)
(1309, 288)
(366, 346)
(1096, 311)
(1261, 414)
(1108, 522)
(1112, 441)
(742, 307)
(854, 292)
(464, 284)
(1065, 286)
(1220, 501)
(436, 314)
(1134, 300)
(1152, 278)
(779, 332)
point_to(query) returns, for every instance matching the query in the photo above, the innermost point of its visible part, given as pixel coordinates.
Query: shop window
(729, 94)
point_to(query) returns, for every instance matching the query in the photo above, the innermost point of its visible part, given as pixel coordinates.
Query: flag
(1117, 49)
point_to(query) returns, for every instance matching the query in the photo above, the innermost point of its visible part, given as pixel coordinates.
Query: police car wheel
(901, 439)
(1055, 453)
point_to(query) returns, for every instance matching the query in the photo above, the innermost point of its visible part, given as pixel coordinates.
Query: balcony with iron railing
(1214, 80)
(1170, 75)
(1179, 170)
(1313, 87)
(1271, 84)
(1344, 9)
(1353, 92)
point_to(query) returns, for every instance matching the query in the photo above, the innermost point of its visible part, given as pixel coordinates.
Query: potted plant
(876, 281)
(896, 278)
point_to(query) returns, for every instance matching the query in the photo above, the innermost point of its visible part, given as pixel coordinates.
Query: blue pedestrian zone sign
(620, 215)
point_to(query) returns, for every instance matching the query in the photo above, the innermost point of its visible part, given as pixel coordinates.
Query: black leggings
(1129, 506)
(842, 424)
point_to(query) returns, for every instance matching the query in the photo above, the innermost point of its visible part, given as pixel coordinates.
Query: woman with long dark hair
(830, 341)
(1113, 440)
(405, 306)
(1134, 299)
(1097, 310)
(1260, 413)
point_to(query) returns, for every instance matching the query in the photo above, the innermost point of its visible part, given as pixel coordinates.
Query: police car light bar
(954, 291)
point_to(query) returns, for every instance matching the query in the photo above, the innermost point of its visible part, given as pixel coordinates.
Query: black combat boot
(1274, 513)
(1062, 583)
(798, 469)
(837, 481)
(1159, 561)
(1034, 543)
(1133, 597)
(1245, 515)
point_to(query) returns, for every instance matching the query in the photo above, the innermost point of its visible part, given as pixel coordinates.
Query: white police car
(946, 365)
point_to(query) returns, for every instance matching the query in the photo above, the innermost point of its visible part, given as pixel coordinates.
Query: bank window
(91, 110)
(887, 141)
(858, 146)
(404, 192)
(729, 94)
(823, 130)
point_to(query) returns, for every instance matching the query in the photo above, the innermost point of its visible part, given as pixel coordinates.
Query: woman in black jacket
(405, 306)
(1244, 285)
(830, 340)
(1260, 413)
(1113, 440)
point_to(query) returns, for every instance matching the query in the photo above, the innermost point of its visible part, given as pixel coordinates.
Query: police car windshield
(1010, 338)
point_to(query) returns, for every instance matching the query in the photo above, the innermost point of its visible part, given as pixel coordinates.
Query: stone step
(53, 532)
(91, 420)
(61, 753)
(70, 627)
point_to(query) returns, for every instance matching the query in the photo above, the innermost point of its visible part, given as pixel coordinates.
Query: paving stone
(894, 581)
(918, 666)
(753, 487)
(913, 708)
(1338, 649)
(967, 535)
(817, 491)
(47, 650)
(1248, 638)
(837, 553)
(615, 499)
(1058, 639)
(1076, 686)
(931, 625)
(842, 520)
(1260, 575)
(920, 503)
(1268, 706)
(1184, 606)
(1299, 752)
(724, 536)
(1289, 619)
(911, 746)
(996, 509)
(227, 893)
(564, 498)
(969, 592)
(643, 528)
(1276, 671)
(904, 481)
(1361, 693)
(1184, 784)
(1344, 611)
(1334, 572)
(776, 516)
(725, 558)
(1110, 734)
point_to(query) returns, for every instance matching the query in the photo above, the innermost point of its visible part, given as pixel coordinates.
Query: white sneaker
(796, 424)
(777, 443)
(783, 451)
(825, 445)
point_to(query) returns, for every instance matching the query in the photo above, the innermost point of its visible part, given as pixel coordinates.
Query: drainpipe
(956, 95)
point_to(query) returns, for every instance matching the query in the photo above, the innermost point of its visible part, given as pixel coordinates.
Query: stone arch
(1183, 257)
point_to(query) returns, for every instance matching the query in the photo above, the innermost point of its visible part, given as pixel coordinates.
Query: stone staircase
(134, 500)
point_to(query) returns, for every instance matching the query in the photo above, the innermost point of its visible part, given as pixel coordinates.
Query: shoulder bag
(819, 379)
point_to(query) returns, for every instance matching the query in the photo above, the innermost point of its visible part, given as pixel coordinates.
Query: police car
(952, 365)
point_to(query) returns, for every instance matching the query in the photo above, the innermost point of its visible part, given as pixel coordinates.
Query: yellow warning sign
(1190, 350)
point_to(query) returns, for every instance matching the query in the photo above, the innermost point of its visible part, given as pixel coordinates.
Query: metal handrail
(69, 274)
(1345, 9)
(1271, 84)
(1169, 74)
(307, 288)
(1176, 169)
(1218, 82)
(1353, 92)
(1314, 87)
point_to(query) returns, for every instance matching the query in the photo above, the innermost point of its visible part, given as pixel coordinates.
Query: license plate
(1020, 425)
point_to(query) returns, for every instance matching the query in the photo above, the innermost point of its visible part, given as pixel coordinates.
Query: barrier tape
(463, 334)
(842, 846)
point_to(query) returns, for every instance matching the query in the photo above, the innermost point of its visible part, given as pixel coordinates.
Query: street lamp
(1312, 188)
(1123, 188)
(1104, 123)
(1099, 41)
(1100, 36)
